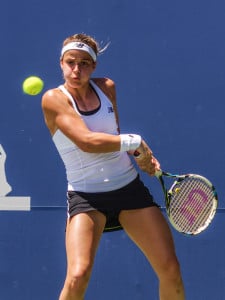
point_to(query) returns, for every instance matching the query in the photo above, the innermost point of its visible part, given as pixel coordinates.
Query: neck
(86, 98)
(80, 93)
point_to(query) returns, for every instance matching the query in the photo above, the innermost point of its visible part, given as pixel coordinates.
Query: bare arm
(59, 114)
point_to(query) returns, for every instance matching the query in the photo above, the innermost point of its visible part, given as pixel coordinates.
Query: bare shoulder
(54, 100)
(54, 105)
(49, 97)
(104, 82)
(108, 86)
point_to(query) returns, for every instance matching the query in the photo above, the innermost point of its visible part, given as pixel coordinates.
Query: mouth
(75, 78)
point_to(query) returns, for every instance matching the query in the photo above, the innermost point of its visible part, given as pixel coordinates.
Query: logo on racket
(196, 200)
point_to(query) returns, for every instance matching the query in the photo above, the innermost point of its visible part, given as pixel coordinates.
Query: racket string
(192, 204)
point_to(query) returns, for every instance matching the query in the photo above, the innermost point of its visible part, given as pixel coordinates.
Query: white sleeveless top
(94, 172)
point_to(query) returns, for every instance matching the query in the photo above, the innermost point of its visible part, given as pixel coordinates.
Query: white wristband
(129, 142)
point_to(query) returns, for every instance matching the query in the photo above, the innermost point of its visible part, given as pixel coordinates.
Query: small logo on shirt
(110, 109)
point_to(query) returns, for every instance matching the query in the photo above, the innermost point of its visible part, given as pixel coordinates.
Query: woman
(104, 188)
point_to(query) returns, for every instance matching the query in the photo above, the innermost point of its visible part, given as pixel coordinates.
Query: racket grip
(137, 154)
(158, 173)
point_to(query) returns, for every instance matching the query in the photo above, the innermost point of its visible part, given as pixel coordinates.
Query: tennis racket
(191, 202)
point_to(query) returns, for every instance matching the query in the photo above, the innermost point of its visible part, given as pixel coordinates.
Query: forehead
(76, 54)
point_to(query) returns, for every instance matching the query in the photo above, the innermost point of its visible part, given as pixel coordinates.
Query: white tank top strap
(98, 91)
(64, 90)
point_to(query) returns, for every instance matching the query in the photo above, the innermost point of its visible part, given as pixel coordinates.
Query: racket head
(192, 204)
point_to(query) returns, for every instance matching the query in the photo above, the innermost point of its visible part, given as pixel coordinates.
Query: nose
(76, 68)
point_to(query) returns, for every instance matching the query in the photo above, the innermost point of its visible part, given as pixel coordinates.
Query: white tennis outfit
(94, 172)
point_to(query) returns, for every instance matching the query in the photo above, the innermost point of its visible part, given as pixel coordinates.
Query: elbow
(87, 147)
(88, 144)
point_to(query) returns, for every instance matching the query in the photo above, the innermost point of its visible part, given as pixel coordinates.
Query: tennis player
(105, 191)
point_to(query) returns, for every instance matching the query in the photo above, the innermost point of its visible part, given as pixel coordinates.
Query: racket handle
(136, 154)
(158, 173)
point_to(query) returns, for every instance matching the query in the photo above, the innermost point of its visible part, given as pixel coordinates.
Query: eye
(70, 62)
(85, 63)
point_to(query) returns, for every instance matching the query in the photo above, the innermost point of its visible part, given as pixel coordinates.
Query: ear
(61, 63)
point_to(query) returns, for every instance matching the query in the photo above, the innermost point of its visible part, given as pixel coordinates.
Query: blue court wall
(168, 61)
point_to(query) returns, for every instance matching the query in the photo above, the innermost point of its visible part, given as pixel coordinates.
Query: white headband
(79, 46)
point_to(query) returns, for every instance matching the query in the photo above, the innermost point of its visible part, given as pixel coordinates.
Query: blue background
(168, 61)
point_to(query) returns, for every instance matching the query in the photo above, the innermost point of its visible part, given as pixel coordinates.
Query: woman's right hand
(145, 160)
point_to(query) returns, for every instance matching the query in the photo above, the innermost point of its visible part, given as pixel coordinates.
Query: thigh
(83, 233)
(148, 228)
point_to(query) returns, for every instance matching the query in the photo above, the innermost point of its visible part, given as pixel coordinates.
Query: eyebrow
(77, 58)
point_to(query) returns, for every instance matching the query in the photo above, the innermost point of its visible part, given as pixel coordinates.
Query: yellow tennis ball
(33, 85)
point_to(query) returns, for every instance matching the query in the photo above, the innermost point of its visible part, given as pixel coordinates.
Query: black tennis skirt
(132, 196)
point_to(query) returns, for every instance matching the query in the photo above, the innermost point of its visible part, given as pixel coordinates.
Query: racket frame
(169, 192)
